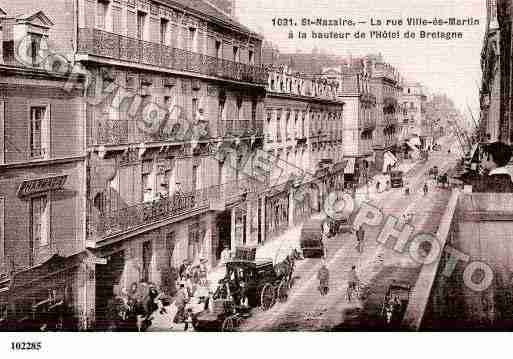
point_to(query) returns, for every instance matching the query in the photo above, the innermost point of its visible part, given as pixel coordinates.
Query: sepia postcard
(254, 166)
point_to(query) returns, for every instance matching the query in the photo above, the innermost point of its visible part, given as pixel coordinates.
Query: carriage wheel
(228, 325)
(267, 297)
(282, 291)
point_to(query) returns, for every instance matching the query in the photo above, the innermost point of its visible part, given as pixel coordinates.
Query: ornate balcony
(102, 225)
(106, 44)
(241, 128)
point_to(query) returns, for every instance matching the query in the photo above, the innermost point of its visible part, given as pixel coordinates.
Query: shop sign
(30, 187)
(97, 260)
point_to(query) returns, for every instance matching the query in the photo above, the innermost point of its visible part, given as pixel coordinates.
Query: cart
(395, 303)
(248, 284)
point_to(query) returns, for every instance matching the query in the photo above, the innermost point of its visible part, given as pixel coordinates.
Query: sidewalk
(275, 249)
(279, 247)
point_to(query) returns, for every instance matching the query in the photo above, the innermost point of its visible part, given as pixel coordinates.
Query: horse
(285, 269)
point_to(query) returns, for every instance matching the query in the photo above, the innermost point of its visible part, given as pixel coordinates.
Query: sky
(448, 66)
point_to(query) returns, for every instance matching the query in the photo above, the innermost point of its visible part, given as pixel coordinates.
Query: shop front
(42, 298)
(350, 178)
(302, 204)
(337, 176)
(277, 211)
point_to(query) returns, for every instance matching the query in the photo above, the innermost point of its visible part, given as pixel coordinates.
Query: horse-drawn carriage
(249, 283)
(442, 180)
(395, 303)
(433, 171)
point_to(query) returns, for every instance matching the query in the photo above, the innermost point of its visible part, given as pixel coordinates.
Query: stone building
(413, 120)
(42, 182)
(303, 137)
(172, 119)
(493, 120)
(360, 114)
(386, 83)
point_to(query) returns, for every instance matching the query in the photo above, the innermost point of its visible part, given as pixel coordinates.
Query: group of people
(131, 310)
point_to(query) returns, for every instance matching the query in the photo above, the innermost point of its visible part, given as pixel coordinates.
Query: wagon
(433, 171)
(395, 303)
(248, 284)
(311, 241)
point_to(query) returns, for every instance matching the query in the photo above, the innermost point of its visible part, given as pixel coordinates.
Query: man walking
(323, 275)
(425, 189)
(360, 235)
(352, 282)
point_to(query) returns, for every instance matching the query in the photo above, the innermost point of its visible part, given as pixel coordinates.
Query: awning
(350, 166)
(340, 166)
(388, 160)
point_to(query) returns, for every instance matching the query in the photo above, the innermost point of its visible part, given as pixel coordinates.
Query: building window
(2, 232)
(170, 247)
(146, 181)
(35, 47)
(218, 49)
(39, 222)
(146, 257)
(278, 129)
(192, 39)
(268, 127)
(194, 177)
(235, 54)
(251, 57)
(287, 123)
(101, 14)
(141, 24)
(163, 31)
(37, 118)
(194, 109)
(253, 113)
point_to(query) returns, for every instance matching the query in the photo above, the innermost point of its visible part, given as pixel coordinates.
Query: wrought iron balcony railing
(110, 223)
(122, 132)
(106, 44)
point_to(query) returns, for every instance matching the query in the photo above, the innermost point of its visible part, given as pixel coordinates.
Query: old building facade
(303, 137)
(42, 182)
(413, 120)
(360, 114)
(172, 119)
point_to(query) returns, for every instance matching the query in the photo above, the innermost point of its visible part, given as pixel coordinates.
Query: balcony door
(141, 25)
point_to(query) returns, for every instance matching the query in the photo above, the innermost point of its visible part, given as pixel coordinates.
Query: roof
(203, 8)
(40, 15)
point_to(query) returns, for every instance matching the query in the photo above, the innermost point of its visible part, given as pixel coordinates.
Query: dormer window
(35, 47)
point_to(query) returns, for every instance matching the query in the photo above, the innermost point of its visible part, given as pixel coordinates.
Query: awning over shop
(388, 160)
(349, 169)
(340, 166)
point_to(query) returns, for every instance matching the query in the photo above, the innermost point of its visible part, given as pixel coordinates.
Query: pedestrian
(203, 272)
(182, 298)
(377, 186)
(425, 188)
(323, 276)
(498, 177)
(188, 321)
(352, 282)
(360, 236)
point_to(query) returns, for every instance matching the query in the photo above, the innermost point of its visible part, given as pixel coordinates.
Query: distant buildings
(303, 131)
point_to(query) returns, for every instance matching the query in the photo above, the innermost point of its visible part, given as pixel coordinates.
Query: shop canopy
(388, 160)
(350, 166)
